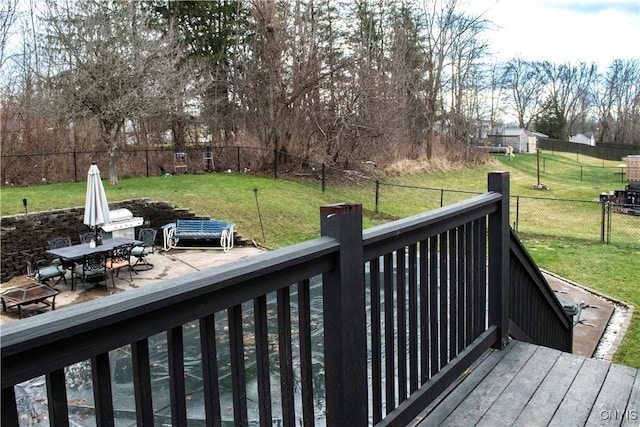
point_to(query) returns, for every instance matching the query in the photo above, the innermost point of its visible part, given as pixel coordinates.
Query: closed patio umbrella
(96, 209)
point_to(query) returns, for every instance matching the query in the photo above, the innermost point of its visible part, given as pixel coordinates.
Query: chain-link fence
(601, 221)
(71, 166)
(577, 219)
(585, 172)
(589, 220)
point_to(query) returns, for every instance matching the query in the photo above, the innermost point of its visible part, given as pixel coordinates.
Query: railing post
(345, 319)
(499, 235)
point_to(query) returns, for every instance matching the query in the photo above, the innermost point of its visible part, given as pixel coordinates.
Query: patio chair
(148, 236)
(61, 242)
(91, 269)
(119, 258)
(86, 237)
(42, 272)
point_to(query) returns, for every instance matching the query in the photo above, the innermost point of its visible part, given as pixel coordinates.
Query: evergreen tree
(551, 121)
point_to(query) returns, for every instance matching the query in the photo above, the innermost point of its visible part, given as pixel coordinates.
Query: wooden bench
(198, 229)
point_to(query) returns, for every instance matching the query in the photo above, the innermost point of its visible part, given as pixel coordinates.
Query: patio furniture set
(85, 261)
(90, 261)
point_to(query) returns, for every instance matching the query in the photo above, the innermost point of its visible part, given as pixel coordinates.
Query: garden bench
(198, 229)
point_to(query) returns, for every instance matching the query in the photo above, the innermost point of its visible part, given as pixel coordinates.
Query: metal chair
(148, 236)
(42, 272)
(119, 258)
(91, 269)
(86, 237)
(61, 242)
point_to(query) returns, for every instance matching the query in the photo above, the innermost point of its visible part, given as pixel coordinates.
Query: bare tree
(568, 86)
(108, 64)
(7, 19)
(467, 51)
(525, 85)
(407, 59)
(495, 90)
(617, 101)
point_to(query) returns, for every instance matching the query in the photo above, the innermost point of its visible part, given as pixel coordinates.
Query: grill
(122, 224)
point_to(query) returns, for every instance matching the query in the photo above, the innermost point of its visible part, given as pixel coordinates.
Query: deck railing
(528, 320)
(352, 328)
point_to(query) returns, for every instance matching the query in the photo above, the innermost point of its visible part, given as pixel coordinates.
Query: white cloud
(562, 30)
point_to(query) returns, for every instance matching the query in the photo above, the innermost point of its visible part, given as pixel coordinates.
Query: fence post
(75, 167)
(515, 225)
(146, 160)
(377, 196)
(238, 159)
(499, 237)
(275, 163)
(324, 185)
(602, 221)
(345, 336)
(609, 222)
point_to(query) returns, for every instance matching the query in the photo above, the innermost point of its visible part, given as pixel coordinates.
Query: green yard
(290, 212)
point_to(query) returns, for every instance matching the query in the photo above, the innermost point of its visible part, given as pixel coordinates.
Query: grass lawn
(290, 211)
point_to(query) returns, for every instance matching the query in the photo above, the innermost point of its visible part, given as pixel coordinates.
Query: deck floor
(529, 385)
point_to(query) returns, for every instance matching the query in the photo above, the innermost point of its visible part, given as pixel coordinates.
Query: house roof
(514, 132)
(538, 134)
(505, 132)
(579, 137)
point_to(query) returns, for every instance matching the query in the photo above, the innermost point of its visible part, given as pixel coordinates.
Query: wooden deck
(529, 385)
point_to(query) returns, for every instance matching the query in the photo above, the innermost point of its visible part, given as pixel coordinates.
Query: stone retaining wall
(31, 232)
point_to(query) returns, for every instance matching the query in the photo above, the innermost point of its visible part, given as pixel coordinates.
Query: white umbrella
(96, 208)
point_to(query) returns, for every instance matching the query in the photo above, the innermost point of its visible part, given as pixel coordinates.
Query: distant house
(583, 139)
(521, 140)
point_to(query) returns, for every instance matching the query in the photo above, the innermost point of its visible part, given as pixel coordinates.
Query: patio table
(76, 252)
(70, 254)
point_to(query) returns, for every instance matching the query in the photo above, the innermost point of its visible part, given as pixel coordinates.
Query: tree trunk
(113, 163)
(110, 137)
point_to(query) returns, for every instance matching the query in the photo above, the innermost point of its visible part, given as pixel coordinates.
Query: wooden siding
(530, 385)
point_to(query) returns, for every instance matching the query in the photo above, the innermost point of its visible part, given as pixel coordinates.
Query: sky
(562, 31)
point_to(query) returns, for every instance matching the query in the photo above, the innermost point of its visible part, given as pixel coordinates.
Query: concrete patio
(166, 265)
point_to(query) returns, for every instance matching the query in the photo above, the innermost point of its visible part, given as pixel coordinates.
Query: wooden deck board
(462, 390)
(544, 401)
(538, 386)
(577, 403)
(615, 393)
(490, 388)
(518, 393)
(632, 413)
